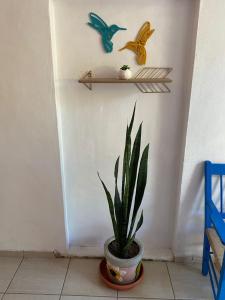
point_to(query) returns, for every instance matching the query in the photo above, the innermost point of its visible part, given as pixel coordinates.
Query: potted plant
(125, 72)
(123, 252)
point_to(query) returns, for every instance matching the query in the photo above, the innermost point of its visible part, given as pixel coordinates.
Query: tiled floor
(78, 279)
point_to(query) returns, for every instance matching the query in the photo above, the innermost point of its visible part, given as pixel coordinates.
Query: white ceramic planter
(123, 271)
(125, 74)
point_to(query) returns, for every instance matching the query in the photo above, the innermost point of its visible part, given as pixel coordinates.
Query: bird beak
(123, 48)
(121, 28)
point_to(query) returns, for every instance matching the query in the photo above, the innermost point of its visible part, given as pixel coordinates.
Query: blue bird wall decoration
(107, 32)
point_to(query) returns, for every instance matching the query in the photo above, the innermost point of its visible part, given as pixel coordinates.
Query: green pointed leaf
(142, 179)
(116, 168)
(126, 159)
(125, 190)
(140, 222)
(131, 239)
(111, 207)
(134, 166)
(117, 201)
(132, 119)
(140, 187)
(127, 180)
(127, 149)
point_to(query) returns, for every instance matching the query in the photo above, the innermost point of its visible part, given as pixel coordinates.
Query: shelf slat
(132, 80)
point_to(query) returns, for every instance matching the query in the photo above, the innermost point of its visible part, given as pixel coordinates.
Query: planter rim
(109, 255)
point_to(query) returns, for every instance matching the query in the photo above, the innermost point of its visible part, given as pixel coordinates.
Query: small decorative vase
(125, 74)
(121, 270)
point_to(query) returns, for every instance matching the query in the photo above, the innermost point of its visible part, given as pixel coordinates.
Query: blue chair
(213, 261)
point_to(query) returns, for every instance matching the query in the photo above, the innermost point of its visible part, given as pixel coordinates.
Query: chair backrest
(212, 169)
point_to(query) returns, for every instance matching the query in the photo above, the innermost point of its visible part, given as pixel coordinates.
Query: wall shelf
(147, 80)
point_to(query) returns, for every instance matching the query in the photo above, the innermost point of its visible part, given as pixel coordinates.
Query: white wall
(205, 138)
(31, 210)
(93, 123)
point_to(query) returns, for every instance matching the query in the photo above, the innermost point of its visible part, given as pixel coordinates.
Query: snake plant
(125, 67)
(125, 205)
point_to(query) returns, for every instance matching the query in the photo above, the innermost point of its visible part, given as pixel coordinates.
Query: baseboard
(11, 253)
(188, 259)
(149, 254)
(33, 254)
(191, 253)
(97, 252)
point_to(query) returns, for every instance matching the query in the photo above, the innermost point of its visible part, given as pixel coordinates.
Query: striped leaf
(125, 218)
(126, 159)
(130, 240)
(127, 148)
(139, 224)
(117, 201)
(132, 120)
(111, 208)
(134, 166)
(141, 184)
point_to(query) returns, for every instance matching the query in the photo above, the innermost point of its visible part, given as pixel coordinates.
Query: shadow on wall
(190, 229)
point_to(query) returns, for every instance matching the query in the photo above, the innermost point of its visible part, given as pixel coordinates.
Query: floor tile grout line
(88, 296)
(65, 278)
(34, 294)
(171, 283)
(154, 298)
(13, 277)
(102, 296)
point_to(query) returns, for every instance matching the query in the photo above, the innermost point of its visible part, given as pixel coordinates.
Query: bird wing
(97, 23)
(141, 56)
(107, 45)
(144, 33)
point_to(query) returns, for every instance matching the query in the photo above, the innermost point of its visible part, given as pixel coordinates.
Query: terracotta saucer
(104, 276)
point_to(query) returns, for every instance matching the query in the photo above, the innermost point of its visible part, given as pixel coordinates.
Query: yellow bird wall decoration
(138, 46)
